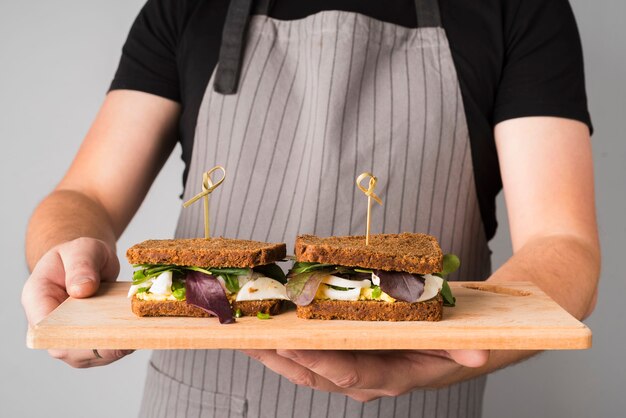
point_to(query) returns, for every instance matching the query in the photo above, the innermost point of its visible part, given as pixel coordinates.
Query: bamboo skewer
(207, 188)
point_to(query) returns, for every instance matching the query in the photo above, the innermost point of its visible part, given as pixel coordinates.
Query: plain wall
(57, 60)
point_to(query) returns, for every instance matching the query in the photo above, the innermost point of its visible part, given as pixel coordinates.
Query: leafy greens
(402, 286)
(305, 278)
(205, 292)
(230, 275)
(451, 263)
(301, 288)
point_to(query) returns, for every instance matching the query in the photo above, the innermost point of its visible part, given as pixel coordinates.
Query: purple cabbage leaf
(402, 286)
(301, 288)
(205, 292)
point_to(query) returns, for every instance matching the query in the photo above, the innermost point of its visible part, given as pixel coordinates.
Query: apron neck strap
(263, 7)
(234, 33)
(231, 49)
(428, 15)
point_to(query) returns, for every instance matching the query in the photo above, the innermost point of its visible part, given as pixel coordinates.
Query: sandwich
(397, 277)
(201, 277)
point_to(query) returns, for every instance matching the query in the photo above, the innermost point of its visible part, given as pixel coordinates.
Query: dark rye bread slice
(181, 308)
(211, 252)
(372, 310)
(407, 252)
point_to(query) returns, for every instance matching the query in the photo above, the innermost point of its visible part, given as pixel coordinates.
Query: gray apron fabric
(318, 101)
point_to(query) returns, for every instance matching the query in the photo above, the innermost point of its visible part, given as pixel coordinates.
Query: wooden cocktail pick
(369, 192)
(208, 185)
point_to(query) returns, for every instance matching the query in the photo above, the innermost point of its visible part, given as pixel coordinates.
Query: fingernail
(79, 281)
(80, 286)
(287, 353)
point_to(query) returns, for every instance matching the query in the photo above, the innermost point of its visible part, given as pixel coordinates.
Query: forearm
(565, 267)
(128, 143)
(547, 173)
(63, 216)
(70, 241)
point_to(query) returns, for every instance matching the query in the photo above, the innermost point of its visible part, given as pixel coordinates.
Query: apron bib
(295, 111)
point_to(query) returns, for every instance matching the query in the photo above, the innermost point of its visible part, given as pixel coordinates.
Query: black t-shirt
(514, 58)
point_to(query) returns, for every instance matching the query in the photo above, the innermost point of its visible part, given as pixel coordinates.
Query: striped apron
(295, 116)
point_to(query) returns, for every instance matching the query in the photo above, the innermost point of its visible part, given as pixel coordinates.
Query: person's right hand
(75, 269)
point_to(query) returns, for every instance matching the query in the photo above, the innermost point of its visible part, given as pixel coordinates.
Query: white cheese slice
(375, 279)
(326, 292)
(135, 287)
(241, 279)
(350, 284)
(432, 286)
(262, 288)
(162, 285)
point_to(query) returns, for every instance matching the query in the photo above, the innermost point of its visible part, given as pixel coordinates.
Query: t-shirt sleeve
(543, 72)
(148, 61)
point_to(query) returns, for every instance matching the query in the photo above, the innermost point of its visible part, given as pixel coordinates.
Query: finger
(81, 359)
(302, 376)
(470, 358)
(86, 261)
(389, 374)
(45, 288)
(291, 370)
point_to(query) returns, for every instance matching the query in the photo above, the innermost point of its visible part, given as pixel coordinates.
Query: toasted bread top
(201, 252)
(408, 252)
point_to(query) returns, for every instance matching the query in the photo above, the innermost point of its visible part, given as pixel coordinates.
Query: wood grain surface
(512, 316)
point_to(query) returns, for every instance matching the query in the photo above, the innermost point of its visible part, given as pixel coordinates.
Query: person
(446, 101)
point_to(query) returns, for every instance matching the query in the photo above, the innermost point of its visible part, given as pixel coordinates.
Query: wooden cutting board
(512, 316)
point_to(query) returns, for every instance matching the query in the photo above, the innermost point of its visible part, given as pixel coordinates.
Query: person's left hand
(368, 375)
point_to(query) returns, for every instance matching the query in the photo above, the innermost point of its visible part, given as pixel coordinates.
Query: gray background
(56, 61)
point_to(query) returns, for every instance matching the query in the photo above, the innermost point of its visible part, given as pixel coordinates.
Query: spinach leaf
(263, 315)
(198, 269)
(229, 270)
(300, 267)
(148, 271)
(446, 293)
(343, 289)
(179, 294)
(451, 263)
(272, 271)
(231, 281)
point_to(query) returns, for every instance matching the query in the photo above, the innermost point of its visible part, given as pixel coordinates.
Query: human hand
(74, 268)
(368, 375)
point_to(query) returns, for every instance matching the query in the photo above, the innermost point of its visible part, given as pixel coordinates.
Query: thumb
(470, 358)
(87, 261)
